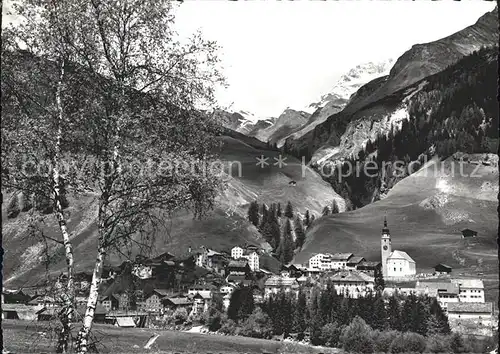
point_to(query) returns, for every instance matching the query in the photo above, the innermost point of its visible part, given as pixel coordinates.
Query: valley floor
(28, 337)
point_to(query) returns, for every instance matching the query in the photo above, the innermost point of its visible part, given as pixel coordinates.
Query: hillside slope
(425, 213)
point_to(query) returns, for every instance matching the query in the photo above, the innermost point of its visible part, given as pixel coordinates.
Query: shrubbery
(330, 334)
(180, 315)
(383, 340)
(257, 325)
(408, 342)
(357, 337)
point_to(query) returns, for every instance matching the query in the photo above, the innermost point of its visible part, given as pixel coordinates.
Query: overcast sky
(288, 53)
(280, 54)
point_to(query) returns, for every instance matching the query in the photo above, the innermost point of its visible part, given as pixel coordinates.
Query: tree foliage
(253, 213)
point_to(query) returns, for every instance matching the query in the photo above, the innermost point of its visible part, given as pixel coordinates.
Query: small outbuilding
(442, 269)
(466, 233)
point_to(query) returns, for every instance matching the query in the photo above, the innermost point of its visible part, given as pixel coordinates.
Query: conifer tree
(307, 219)
(300, 235)
(394, 312)
(13, 207)
(299, 316)
(289, 210)
(264, 219)
(279, 212)
(253, 213)
(285, 249)
(312, 220)
(335, 207)
(326, 211)
(379, 316)
(271, 232)
(379, 280)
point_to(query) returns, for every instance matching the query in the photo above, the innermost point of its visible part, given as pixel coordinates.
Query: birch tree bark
(68, 295)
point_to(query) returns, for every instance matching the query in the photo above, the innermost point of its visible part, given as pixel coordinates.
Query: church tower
(385, 247)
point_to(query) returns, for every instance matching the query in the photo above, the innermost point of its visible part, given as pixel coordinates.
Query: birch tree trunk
(84, 334)
(69, 292)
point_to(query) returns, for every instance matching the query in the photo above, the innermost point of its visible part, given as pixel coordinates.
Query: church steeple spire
(385, 230)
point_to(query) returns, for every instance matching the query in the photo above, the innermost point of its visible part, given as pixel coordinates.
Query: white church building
(395, 264)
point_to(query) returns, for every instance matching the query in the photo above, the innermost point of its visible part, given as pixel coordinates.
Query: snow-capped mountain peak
(350, 82)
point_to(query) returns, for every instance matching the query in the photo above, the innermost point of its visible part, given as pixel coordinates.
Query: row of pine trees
(313, 309)
(284, 230)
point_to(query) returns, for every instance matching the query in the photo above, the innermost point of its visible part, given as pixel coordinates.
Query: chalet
(370, 268)
(353, 283)
(167, 256)
(226, 299)
(173, 303)
(18, 297)
(99, 313)
(109, 302)
(206, 290)
(81, 300)
(164, 271)
(471, 290)
(124, 301)
(21, 311)
(200, 303)
(340, 260)
(44, 300)
(275, 284)
(250, 253)
(471, 318)
(290, 271)
(466, 233)
(239, 267)
(445, 292)
(292, 183)
(442, 269)
(153, 302)
(238, 280)
(353, 262)
(227, 289)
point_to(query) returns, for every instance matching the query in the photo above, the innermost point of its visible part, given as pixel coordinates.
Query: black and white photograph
(254, 176)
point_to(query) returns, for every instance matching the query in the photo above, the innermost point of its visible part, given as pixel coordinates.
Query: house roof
(178, 300)
(99, 309)
(281, 281)
(369, 265)
(473, 307)
(41, 298)
(469, 283)
(400, 255)
(21, 307)
(469, 231)
(355, 260)
(203, 296)
(238, 264)
(342, 256)
(161, 292)
(442, 265)
(352, 276)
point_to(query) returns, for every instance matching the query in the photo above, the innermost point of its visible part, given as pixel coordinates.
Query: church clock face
(385, 247)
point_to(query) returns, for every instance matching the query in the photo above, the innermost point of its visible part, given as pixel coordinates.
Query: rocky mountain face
(295, 123)
(340, 95)
(379, 104)
(244, 122)
(289, 121)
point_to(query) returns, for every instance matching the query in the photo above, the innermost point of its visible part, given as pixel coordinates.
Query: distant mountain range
(295, 123)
